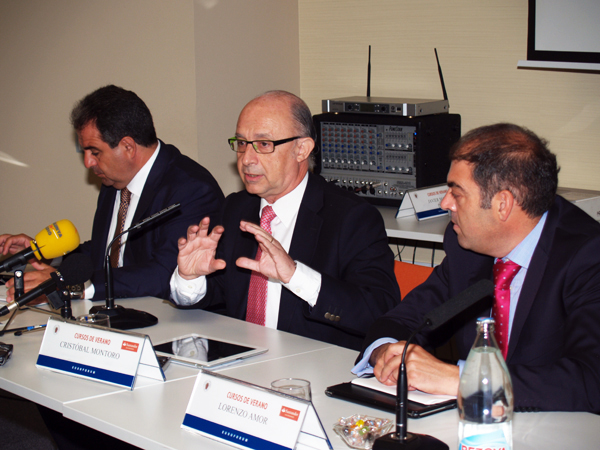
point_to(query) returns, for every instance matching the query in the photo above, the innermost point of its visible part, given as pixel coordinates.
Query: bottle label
(488, 441)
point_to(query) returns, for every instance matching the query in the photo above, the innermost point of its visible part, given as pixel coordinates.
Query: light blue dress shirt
(521, 255)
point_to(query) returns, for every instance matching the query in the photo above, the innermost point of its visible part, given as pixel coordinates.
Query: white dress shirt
(136, 187)
(305, 283)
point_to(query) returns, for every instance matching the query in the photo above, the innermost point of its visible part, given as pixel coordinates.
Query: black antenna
(441, 75)
(369, 74)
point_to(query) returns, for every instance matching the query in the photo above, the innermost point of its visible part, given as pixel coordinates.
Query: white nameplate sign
(424, 203)
(98, 353)
(245, 415)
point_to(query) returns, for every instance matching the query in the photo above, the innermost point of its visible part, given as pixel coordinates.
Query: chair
(409, 276)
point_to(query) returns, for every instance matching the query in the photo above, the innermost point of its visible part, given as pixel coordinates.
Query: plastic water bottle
(485, 395)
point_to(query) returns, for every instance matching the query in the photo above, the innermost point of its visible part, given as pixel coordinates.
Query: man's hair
(301, 114)
(304, 125)
(508, 157)
(116, 113)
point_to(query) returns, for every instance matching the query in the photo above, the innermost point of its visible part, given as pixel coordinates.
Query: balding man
(324, 269)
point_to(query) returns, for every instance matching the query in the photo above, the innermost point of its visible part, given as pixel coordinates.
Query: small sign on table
(249, 416)
(424, 203)
(98, 353)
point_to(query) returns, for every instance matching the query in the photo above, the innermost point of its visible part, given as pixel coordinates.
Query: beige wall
(180, 56)
(479, 44)
(243, 48)
(55, 52)
(196, 62)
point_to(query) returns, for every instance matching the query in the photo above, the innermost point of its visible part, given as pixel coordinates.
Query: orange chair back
(409, 276)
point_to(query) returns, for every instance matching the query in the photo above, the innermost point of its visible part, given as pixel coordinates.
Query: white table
(150, 416)
(53, 390)
(429, 230)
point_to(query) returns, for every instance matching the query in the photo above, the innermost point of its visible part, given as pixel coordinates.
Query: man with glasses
(318, 265)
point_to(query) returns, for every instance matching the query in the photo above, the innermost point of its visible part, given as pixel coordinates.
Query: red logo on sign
(131, 346)
(289, 413)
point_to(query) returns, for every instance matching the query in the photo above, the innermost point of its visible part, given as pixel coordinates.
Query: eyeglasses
(261, 146)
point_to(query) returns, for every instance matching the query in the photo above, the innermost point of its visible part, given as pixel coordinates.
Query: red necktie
(115, 250)
(257, 293)
(504, 273)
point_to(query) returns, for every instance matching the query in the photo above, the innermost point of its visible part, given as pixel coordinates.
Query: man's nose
(250, 156)
(88, 160)
(446, 202)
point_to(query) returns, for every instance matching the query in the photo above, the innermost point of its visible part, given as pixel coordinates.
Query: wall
(194, 62)
(54, 53)
(479, 44)
(243, 48)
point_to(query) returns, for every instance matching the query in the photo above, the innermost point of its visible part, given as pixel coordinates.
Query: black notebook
(358, 392)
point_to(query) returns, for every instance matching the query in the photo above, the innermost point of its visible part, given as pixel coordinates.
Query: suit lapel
(147, 199)
(152, 182)
(303, 245)
(533, 279)
(102, 219)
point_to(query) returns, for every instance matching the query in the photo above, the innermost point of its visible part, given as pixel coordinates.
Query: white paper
(414, 396)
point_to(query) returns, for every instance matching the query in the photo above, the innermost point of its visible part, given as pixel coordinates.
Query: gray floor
(21, 427)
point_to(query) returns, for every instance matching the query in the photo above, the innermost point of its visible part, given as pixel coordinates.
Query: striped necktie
(257, 293)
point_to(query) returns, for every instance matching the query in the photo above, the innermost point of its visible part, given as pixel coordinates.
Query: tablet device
(381, 400)
(200, 351)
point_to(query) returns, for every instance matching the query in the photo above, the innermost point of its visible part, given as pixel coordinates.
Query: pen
(28, 329)
(21, 329)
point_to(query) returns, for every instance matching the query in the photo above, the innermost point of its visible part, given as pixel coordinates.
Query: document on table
(414, 396)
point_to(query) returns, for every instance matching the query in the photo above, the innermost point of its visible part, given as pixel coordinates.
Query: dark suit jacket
(151, 252)
(554, 348)
(337, 234)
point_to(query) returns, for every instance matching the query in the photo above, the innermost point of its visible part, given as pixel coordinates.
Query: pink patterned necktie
(504, 273)
(257, 293)
(115, 250)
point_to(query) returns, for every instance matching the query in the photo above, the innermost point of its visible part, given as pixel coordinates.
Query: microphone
(457, 304)
(57, 239)
(126, 318)
(433, 319)
(74, 270)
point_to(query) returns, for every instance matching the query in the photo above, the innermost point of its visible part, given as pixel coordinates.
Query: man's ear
(129, 146)
(503, 204)
(304, 148)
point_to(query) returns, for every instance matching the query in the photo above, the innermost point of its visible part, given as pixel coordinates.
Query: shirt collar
(523, 252)
(136, 185)
(287, 206)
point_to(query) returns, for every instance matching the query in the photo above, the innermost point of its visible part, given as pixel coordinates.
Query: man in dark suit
(329, 267)
(502, 199)
(117, 136)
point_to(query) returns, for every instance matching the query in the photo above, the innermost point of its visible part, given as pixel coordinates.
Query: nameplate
(245, 415)
(98, 353)
(423, 203)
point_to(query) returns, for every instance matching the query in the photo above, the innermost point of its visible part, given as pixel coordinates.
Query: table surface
(150, 415)
(430, 230)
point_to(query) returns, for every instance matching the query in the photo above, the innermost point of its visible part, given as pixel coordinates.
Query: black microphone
(459, 303)
(433, 319)
(74, 270)
(126, 318)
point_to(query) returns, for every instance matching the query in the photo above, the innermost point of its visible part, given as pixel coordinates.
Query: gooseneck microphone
(120, 317)
(57, 239)
(433, 319)
(74, 270)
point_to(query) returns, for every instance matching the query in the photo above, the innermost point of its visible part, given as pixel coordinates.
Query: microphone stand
(401, 439)
(126, 318)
